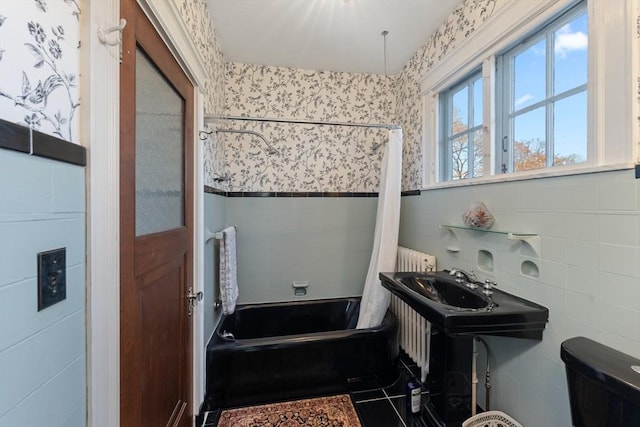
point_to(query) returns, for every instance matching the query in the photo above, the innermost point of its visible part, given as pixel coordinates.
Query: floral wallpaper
(266, 91)
(326, 158)
(461, 24)
(309, 157)
(39, 70)
(196, 17)
(39, 63)
(213, 156)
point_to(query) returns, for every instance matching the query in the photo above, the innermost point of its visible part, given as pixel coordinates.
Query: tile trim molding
(20, 138)
(215, 191)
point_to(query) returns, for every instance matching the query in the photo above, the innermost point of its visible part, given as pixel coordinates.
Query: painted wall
(42, 353)
(326, 241)
(42, 207)
(589, 275)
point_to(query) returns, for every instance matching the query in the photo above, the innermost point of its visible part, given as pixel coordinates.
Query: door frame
(100, 132)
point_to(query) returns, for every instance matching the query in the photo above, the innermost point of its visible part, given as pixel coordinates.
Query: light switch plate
(52, 277)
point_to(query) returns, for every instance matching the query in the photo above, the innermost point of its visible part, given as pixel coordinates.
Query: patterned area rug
(333, 411)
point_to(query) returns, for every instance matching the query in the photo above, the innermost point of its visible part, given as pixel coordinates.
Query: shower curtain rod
(304, 122)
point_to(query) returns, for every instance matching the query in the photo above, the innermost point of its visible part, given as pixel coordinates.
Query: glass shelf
(485, 230)
(531, 239)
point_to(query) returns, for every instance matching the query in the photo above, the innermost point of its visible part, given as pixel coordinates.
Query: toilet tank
(604, 384)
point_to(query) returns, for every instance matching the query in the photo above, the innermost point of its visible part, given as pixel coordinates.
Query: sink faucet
(470, 277)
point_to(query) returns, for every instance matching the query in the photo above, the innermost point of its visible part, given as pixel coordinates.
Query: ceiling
(326, 35)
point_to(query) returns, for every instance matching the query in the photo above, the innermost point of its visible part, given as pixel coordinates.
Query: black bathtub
(291, 350)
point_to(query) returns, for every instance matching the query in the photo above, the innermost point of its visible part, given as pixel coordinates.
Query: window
(462, 130)
(542, 110)
(523, 109)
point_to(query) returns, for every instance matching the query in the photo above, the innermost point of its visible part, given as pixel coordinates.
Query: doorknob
(192, 300)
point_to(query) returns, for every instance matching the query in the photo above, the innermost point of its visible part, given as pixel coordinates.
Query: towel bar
(219, 235)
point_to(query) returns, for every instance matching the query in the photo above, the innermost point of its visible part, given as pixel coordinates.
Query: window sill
(529, 175)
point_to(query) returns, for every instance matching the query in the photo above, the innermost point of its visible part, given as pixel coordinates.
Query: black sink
(447, 293)
(458, 310)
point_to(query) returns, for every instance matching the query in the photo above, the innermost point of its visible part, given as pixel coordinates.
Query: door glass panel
(159, 151)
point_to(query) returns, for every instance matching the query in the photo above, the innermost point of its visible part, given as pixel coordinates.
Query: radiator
(415, 331)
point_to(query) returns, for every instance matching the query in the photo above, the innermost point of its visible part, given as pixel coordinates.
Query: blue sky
(570, 70)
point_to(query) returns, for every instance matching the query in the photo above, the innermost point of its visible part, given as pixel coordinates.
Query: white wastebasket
(491, 419)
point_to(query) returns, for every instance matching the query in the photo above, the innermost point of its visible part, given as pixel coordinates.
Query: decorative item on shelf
(477, 215)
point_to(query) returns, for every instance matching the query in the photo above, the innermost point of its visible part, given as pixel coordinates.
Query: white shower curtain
(375, 298)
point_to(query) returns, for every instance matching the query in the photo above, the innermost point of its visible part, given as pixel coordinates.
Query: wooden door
(156, 229)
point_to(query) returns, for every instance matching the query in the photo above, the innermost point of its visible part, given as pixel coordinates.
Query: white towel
(228, 271)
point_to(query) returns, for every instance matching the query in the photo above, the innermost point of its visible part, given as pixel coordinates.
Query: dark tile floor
(385, 407)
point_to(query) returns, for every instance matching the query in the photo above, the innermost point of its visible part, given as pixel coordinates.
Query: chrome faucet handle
(470, 276)
(462, 277)
(487, 287)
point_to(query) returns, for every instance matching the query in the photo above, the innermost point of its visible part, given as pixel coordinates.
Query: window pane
(478, 153)
(460, 104)
(570, 55)
(460, 158)
(477, 103)
(570, 130)
(529, 141)
(529, 76)
(159, 153)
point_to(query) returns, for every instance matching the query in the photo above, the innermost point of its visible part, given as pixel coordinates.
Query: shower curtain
(375, 298)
